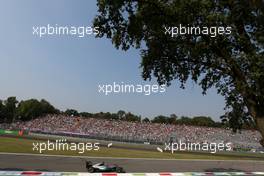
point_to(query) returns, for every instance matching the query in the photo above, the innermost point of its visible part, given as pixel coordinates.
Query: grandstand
(136, 132)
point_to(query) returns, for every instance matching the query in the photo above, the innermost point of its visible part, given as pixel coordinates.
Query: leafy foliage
(32, 108)
(71, 112)
(8, 109)
(233, 64)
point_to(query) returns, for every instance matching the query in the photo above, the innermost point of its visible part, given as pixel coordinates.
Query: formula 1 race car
(102, 167)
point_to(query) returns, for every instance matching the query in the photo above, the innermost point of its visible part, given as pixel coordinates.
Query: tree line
(12, 110)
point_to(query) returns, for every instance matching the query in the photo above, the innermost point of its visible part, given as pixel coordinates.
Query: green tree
(131, 117)
(160, 119)
(185, 120)
(71, 112)
(121, 114)
(233, 64)
(9, 111)
(203, 121)
(86, 114)
(47, 108)
(2, 111)
(146, 120)
(172, 119)
(32, 108)
(114, 116)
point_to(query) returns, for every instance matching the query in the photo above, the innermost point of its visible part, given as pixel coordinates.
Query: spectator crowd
(136, 131)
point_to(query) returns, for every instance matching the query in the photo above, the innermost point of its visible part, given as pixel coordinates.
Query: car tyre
(120, 170)
(90, 169)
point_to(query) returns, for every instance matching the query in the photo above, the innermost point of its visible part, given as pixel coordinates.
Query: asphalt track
(21, 162)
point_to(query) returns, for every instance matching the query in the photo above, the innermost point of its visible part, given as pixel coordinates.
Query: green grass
(24, 145)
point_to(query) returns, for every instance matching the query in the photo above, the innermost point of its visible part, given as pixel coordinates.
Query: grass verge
(24, 145)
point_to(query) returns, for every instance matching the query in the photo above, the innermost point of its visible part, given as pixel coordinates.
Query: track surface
(76, 164)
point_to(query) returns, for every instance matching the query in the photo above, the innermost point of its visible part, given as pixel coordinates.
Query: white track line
(117, 158)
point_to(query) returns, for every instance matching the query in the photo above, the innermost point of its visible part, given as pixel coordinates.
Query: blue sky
(66, 71)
